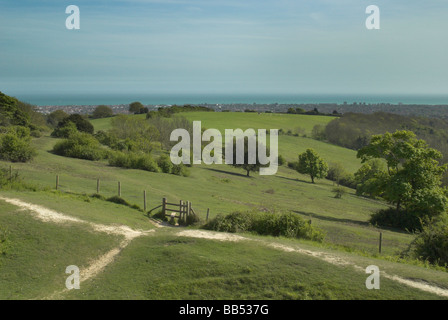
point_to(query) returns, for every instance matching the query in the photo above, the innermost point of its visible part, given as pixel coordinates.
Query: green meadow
(163, 265)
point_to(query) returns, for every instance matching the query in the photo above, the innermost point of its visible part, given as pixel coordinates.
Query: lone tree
(102, 111)
(248, 164)
(312, 164)
(412, 179)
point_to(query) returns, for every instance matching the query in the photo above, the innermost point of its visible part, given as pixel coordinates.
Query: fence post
(144, 200)
(10, 173)
(208, 212)
(119, 188)
(381, 240)
(164, 206)
(181, 209)
(98, 186)
(57, 182)
(188, 208)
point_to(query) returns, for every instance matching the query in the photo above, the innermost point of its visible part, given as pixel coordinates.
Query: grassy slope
(165, 267)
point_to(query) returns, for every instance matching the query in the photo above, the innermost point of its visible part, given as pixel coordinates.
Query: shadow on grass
(228, 172)
(296, 180)
(333, 219)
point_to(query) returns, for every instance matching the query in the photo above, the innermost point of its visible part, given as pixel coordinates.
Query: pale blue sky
(224, 46)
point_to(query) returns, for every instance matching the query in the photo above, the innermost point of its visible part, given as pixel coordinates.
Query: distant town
(434, 111)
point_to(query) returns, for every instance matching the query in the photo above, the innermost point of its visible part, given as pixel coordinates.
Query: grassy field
(166, 266)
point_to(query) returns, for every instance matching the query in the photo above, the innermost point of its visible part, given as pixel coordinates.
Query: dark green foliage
(102, 111)
(11, 114)
(392, 218)
(118, 200)
(293, 165)
(15, 144)
(81, 146)
(55, 117)
(180, 170)
(165, 164)
(431, 244)
(159, 215)
(281, 160)
(192, 219)
(413, 176)
(65, 131)
(137, 108)
(132, 160)
(82, 125)
(274, 224)
(98, 196)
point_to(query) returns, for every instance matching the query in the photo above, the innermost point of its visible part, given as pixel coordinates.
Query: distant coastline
(181, 99)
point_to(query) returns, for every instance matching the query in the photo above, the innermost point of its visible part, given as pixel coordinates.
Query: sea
(58, 99)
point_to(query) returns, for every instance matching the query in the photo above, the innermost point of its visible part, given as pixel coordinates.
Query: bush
(132, 160)
(431, 244)
(180, 170)
(396, 219)
(81, 146)
(286, 225)
(15, 145)
(339, 192)
(165, 164)
(118, 200)
(281, 160)
(65, 131)
(82, 124)
(159, 215)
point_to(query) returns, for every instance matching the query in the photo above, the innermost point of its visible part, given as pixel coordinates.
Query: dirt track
(129, 234)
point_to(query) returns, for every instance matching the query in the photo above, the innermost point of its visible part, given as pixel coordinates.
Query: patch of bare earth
(97, 265)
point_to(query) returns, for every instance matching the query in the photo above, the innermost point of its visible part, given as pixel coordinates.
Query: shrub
(15, 145)
(118, 200)
(65, 131)
(431, 244)
(165, 164)
(281, 160)
(82, 124)
(159, 215)
(132, 160)
(339, 192)
(286, 225)
(81, 146)
(180, 170)
(396, 219)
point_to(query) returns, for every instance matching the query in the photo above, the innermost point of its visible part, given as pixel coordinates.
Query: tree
(336, 172)
(137, 108)
(11, 114)
(15, 144)
(246, 165)
(413, 176)
(82, 125)
(102, 111)
(55, 117)
(312, 164)
(370, 177)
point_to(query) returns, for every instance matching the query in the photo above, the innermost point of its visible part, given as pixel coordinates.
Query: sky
(224, 46)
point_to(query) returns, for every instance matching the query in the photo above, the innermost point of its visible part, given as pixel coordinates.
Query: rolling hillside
(164, 263)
